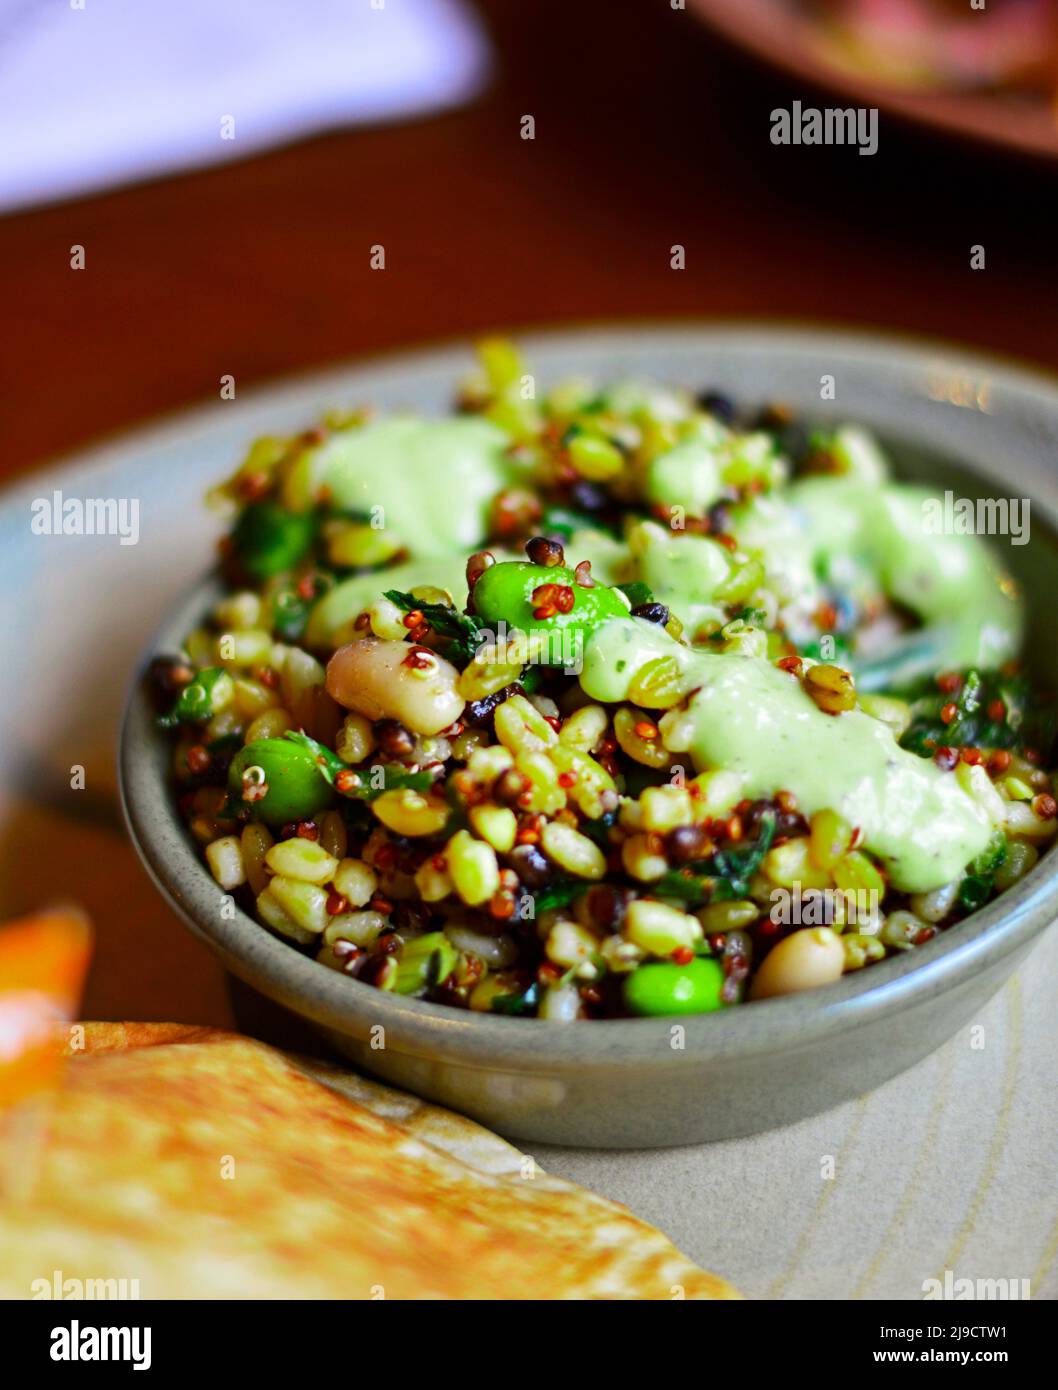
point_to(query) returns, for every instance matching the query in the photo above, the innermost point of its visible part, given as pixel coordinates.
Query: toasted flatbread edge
(453, 1135)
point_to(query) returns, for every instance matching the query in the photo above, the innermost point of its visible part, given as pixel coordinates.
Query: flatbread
(207, 1165)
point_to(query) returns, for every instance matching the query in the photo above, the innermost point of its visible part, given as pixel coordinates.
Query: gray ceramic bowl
(958, 421)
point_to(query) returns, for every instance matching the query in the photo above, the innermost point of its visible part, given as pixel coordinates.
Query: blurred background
(398, 123)
(228, 166)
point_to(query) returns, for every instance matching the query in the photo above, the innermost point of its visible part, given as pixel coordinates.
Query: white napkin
(96, 93)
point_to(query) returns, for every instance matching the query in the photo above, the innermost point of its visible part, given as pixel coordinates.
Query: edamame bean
(533, 598)
(268, 539)
(294, 787)
(667, 988)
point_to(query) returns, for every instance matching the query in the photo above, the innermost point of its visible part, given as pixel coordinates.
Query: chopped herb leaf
(754, 617)
(463, 630)
(517, 1004)
(725, 875)
(737, 866)
(327, 761)
(559, 894)
(838, 648)
(392, 779)
(290, 614)
(637, 592)
(372, 781)
(976, 887)
(689, 887)
(195, 701)
(563, 521)
(991, 710)
(599, 829)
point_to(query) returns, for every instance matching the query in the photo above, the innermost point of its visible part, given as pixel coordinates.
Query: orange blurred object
(43, 962)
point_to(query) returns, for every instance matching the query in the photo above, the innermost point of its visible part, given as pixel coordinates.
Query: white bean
(373, 678)
(811, 957)
(935, 905)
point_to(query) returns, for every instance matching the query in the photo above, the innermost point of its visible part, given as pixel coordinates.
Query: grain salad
(618, 701)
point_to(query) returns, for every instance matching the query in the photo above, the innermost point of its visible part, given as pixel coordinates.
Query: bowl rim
(326, 997)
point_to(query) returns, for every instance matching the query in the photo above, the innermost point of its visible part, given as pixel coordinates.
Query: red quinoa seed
(198, 758)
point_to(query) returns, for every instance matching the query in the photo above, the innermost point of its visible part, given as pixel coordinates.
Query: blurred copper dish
(1019, 115)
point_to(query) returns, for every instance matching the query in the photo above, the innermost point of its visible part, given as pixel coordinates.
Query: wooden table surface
(649, 133)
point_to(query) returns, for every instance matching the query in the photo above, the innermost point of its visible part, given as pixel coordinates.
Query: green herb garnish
(196, 700)
(686, 885)
(268, 539)
(462, 630)
(370, 782)
(725, 875)
(290, 614)
(976, 887)
(517, 1004)
(991, 710)
(291, 606)
(563, 521)
(559, 894)
(737, 866)
(637, 593)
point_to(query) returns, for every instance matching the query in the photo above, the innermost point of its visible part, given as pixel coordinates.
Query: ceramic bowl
(958, 421)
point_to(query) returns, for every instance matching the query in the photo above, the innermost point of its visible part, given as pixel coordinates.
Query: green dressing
(433, 479)
(683, 572)
(954, 584)
(687, 476)
(745, 715)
